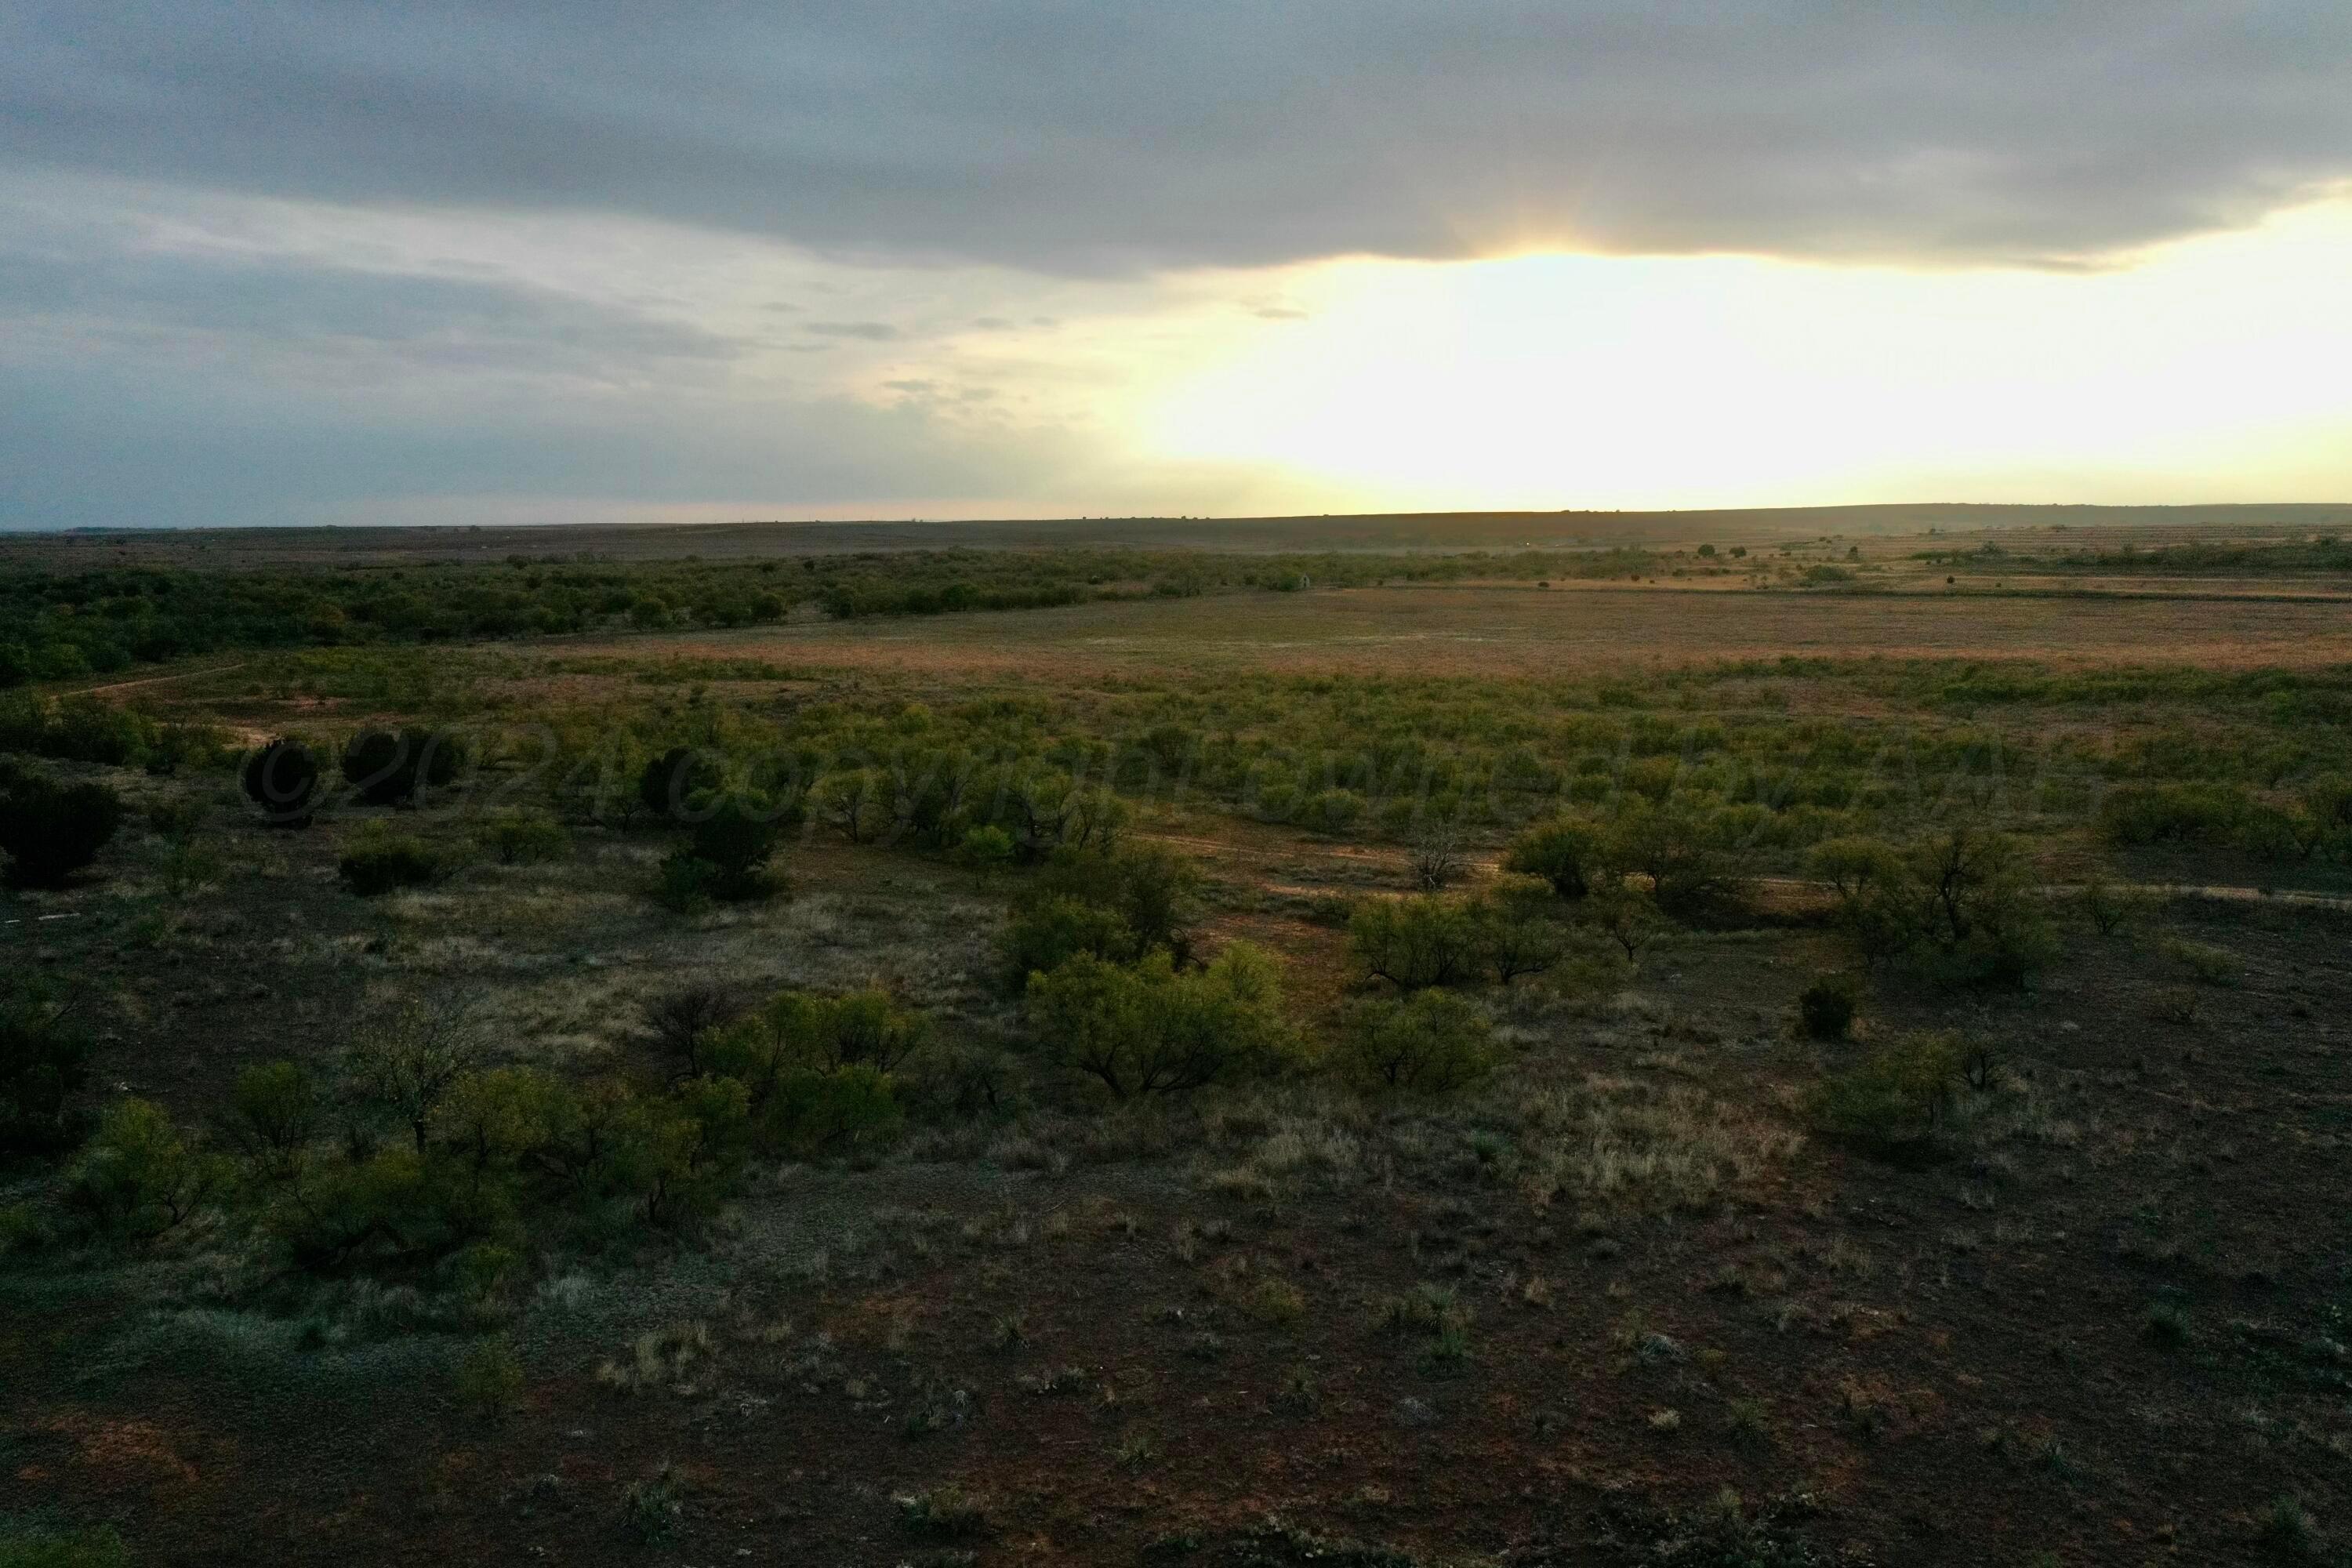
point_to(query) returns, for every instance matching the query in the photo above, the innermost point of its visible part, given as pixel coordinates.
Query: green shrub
(406, 1059)
(1046, 933)
(1115, 906)
(736, 835)
(1334, 811)
(274, 1113)
(524, 839)
(488, 1379)
(1565, 852)
(175, 746)
(947, 1513)
(1512, 941)
(1825, 1007)
(282, 779)
(137, 1177)
(44, 1065)
(31, 1543)
(818, 1071)
(984, 846)
(800, 1029)
(76, 730)
(2328, 808)
(388, 768)
(2136, 815)
(2201, 962)
(856, 803)
(1982, 906)
(817, 1112)
(1416, 942)
(681, 1025)
(1900, 1095)
(2112, 909)
(51, 830)
(1151, 888)
(1147, 1029)
(1963, 897)
(1628, 918)
(2288, 1533)
(1880, 904)
(176, 821)
(1432, 1042)
(1687, 857)
(686, 881)
(684, 1153)
(395, 1205)
(669, 782)
(380, 863)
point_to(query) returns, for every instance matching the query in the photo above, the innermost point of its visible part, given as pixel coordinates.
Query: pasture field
(1467, 1065)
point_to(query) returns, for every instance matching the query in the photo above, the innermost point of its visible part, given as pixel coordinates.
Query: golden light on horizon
(2209, 368)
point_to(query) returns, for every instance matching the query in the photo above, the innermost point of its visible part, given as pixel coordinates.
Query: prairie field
(1324, 1049)
(1561, 632)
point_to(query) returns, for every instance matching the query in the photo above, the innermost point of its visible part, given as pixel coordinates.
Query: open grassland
(1431, 1074)
(1558, 632)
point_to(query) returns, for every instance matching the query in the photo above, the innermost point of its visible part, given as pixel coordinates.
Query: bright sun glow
(1550, 381)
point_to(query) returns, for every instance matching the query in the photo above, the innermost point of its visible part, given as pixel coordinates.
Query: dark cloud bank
(1082, 135)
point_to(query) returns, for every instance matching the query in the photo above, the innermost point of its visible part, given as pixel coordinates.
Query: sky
(302, 262)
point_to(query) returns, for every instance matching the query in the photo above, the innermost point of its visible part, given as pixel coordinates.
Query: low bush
(1115, 905)
(737, 835)
(1628, 918)
(685, 882)
(1963, 900)
(681, 1025)
(1512, 940)
(385, 767)
(1825, 1007)
(488, 1379)
(1426, 940)
(1046, 933)
(2112, 909)
(281, 780)
(75, 729)
(524, 839)
(50, 830)
(1432, 1042)
(817, 1112)
(669, 782)
(1899, 1096)
(2135, 815)
(2201, 962)
(818, 1071)
(1565, 852)
(1689, 859)
(139, 1177)
(380, 863)
(173, 747)
(275, 1111)
(44, 1066)
(1148, 1028)
(984, 846)
(1336, 812)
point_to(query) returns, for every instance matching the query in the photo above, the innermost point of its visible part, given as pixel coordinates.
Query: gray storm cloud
(1082, 136)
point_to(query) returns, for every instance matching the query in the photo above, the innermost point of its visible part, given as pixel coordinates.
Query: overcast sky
(302, 261)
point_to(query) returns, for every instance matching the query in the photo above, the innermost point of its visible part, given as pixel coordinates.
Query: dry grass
(1618, 1144)
(1532, 633)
